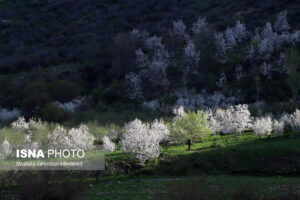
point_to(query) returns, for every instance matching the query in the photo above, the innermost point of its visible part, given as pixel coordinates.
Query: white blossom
(262, 126)
(235, 119)
(221, 46)
(269, 42)
(108, 145)
(191, 54)
(178, 111)
(35, 124)
(278, 127)
(161, 129)
(285, 118)
(281, 23)
(267, 31)
(113, 135)
(81, 138)
(295, 121)
(266, 47)
(240, 32)
(154, 43)
(71, 106)
(20, 125)
(157, 70)
(141, 59)
(179, 28)
(6, 148)
(78, 138)
(230, 38)
(199, 25)
(188, 99)
(59, 138)
(140, 141)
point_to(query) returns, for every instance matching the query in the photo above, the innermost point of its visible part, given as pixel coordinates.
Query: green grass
(225, 155)
(145, 187)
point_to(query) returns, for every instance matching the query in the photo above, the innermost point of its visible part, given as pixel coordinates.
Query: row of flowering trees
(75, 138)
(143, 140)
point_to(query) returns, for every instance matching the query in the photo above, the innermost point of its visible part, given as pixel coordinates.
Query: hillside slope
(47, 33)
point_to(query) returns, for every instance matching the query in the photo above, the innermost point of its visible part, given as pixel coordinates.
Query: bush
(262, 126)
(295, 121)
(235, 119)
(278, 127)
(189, 127)
(108, 145)
(78, 138)
(142, 140)
(5, 149)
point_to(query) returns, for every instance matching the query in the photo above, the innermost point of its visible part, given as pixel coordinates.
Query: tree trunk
(189, 144)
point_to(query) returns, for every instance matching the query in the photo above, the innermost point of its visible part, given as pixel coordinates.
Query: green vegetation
(188, 128)
(145, 187)
(223, 155)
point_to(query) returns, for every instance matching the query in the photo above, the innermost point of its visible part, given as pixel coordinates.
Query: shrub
(179, 111)
(278, 127)
(81, 138)
(262, 126)
(58, 138)
(20, 125)
(35, 124)
(5, 149)
(78, 138)
(142, 140)
(108, 145)
(32, 124)
(295, 121)
(189, 127)
(161, 129)
(235, 119)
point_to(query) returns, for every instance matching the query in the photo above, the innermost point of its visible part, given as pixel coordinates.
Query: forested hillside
(55, 51)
